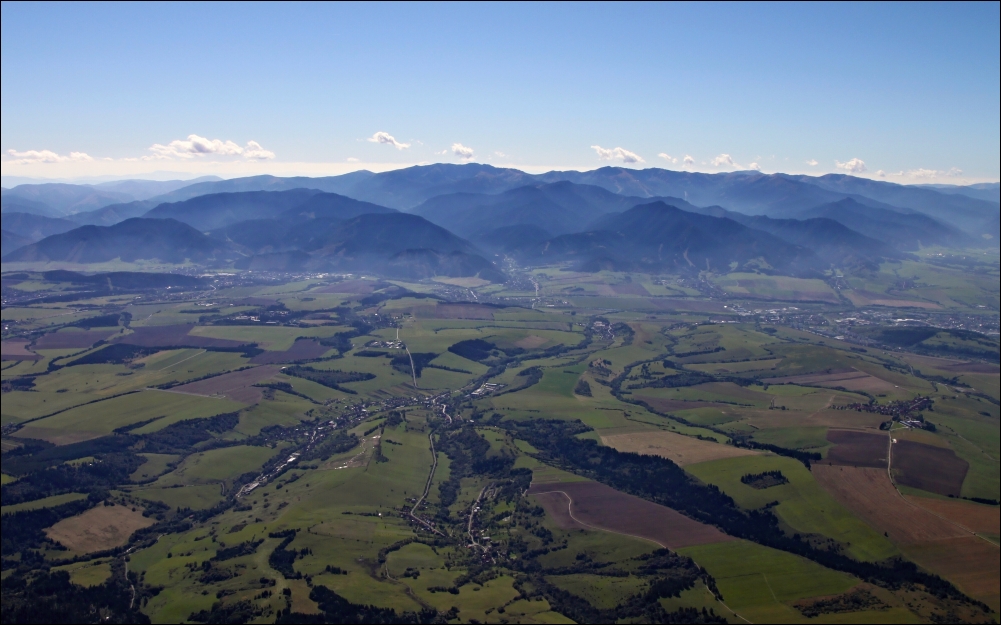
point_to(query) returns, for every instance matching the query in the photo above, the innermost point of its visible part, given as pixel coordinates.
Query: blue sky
(909, 91)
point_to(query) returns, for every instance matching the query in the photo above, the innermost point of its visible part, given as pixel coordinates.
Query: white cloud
(200, 146)
(881, 173)
(689, 161)
(255, 151)
(667, 157)
(812, 162)
(723, 159)
(388, 139)
(854, 166)
(30, 157)
(620, 154)
(462, 151)
(352, 159)
(928, 174)
(754, 166)
(500, 154)
(923, 174)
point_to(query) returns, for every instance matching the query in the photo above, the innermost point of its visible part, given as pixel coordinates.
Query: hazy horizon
(906, 93)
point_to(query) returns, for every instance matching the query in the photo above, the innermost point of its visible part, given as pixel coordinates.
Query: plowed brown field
(924, 534)
(929, 468)
(973, 516)
(601, 507)
(852, 380)
(172, 336)
(857, 449)
(71, 340)
(869, 494)
(302, 349)
(971, 563)
(682, 450)
(238, 385)
(557, 506)
(17, 349)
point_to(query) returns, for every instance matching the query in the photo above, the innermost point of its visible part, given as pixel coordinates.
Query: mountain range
(449, 219)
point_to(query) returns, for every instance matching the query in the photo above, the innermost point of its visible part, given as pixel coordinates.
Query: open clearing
(928, 467)
(531, 342)
(99, 528)
(851, 379)
(238, 385)
(680, 449)
(601, 507)
(857, 449)
(216, 465)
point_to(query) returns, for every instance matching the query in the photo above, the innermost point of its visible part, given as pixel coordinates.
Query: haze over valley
(573, 313)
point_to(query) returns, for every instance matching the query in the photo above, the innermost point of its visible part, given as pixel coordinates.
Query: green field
(99, 418)
(759, 583)
(802, 503)
(702, 374)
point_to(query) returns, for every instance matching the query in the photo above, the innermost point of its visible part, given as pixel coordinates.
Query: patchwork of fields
(373, 441)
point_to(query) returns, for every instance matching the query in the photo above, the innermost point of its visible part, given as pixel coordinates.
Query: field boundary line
(427, 489)
(87, 403)
(170, 390)
(185, 360)
(889, 475)
(651, 540)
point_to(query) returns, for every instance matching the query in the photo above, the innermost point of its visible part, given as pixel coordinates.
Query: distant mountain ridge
(660, 237)
(750, 192)
(35, 227)
(605, 218)
(135, 239)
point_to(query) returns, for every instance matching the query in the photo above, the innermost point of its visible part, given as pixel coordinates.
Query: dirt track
(868, 493)
(976, 517)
